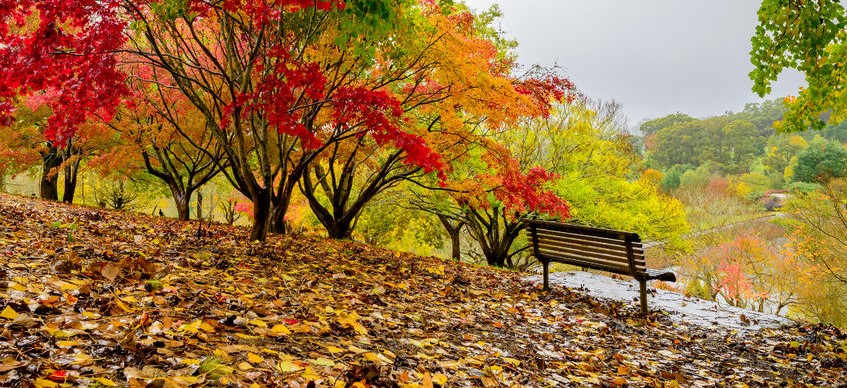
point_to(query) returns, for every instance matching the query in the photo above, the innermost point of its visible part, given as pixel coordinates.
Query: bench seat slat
(617, 259)
(619, 246)
(584, 230)
(600, 267)
(610, 240)
(579, 260)
(593, 250)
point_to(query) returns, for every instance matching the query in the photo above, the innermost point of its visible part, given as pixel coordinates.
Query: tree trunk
(181, 200)
(49, 186)
(199, 206)
(339, 229)
(262, 210)
(71, 175)
(281, 203)
(454, 231)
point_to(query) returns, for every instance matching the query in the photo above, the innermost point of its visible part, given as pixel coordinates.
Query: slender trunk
(199, 206)
(262, 210)
(49, 186)
(454, 231)
(455, 252)
(281, 203)
(71, 175)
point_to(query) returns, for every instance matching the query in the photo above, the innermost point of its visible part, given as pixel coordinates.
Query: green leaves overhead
(808, 36)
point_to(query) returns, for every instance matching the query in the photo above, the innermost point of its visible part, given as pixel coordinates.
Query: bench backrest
(602, 249)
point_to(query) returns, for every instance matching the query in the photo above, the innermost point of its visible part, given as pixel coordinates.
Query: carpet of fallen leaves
(101, 298)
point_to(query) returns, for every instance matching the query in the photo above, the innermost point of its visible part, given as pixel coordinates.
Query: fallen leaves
(167, 308)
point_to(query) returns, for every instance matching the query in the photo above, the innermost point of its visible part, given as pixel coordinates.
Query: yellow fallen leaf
(323, 362)
(44, 383)
(373, 358)
(512, 361)
(17, 287)
(105, 381)
(280, 329)
(426, 382)
(247, 337)
(287, 367)
(66, 344)
(65, 287)
(9, 313)
(190, 327)
(187, 380)
(244, 366)
(309, 374)
(83, 359)
(440, 379)
(334, 349)
(207, 327)
(190, 361)
(254, 358)
(258, 322)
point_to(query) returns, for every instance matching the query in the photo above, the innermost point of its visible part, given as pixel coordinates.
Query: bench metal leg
(643, 284)
(546, 275)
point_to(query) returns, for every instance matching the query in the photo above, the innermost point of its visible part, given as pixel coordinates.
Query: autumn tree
(601, 174)
(818, 229)
(166, 134)
(25, 146)
(450, 80)
(275, 82)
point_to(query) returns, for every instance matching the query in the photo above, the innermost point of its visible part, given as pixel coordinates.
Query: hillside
(94, 297)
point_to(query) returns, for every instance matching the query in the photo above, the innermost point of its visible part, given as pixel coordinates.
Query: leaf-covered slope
(92, 297)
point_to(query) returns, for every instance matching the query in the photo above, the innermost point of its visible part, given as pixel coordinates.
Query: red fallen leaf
(58, 375)
(290, 321)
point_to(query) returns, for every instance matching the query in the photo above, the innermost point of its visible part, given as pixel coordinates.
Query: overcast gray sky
(656, 57)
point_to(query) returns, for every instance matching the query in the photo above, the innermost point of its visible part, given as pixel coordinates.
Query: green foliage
(731, 143)
(810, 37)
(672, 178)
(586, 145)
(821, 161)
(655, 125)
(699, 177)
(803, 187)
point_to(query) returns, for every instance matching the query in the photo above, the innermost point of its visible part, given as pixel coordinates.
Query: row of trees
(339, 102)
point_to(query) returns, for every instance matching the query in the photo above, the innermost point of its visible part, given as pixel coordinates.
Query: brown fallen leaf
(110, 272)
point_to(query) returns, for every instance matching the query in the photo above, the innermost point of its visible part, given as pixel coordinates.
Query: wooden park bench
(600, 249)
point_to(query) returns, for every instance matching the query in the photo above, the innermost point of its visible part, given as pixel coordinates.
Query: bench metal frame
(606, 250)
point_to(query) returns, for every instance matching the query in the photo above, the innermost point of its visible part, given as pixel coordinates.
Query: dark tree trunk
(181, 200)
(339, 230)
(71, 175)
(262, 210)
(280, 205)
(49, 186)
(495, 235)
